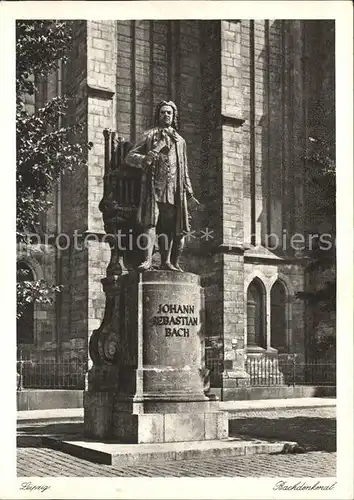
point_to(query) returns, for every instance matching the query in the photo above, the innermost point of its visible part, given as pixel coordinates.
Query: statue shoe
(167, 266)
(145, 266)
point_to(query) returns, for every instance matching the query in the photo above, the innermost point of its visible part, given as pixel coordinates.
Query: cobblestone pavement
(313, 428)
(42, 462)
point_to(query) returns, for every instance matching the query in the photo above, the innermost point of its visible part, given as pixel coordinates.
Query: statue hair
(175, 113)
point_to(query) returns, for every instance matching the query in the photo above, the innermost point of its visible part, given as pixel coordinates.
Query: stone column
(232, 194)
(146, 384)
(101, 101)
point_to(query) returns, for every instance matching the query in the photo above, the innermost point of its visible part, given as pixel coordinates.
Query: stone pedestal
(146, 383)
(234, 375)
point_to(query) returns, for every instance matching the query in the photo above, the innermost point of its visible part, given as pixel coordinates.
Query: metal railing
(264, 371)
(215, 364)
(271, 371)
(50, 374)
(70, 374)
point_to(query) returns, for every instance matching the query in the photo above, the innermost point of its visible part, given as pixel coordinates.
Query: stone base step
(131, 454)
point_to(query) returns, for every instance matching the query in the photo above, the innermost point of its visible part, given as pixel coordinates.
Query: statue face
(166, 116)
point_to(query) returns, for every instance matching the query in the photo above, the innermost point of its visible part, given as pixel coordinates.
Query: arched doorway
(25, 324)
(279, 333)
(256, 314)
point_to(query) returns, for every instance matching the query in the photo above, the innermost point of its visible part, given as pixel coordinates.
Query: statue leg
(176, 251)
(151, 236)
(165, 252)
(165, 238)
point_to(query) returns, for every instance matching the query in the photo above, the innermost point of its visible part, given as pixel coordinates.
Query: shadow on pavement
(31, 436)
(54, 428)
(311, 433)
(29, 441)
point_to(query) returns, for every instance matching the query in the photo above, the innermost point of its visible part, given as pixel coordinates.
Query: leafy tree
(46, 147)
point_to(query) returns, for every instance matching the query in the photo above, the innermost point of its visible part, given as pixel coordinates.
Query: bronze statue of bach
(165, 188)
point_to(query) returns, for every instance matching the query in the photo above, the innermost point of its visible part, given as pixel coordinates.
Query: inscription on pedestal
(172, 333)
(184, 319)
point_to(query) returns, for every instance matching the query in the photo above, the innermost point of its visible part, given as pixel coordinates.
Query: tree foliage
(33, 291)
(46, 146)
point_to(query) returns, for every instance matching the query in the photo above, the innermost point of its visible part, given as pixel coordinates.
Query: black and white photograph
(176, 210)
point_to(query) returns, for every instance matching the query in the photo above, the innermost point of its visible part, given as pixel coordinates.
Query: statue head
(166, 115)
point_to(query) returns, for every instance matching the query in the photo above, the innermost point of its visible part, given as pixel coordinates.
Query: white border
(341, 11)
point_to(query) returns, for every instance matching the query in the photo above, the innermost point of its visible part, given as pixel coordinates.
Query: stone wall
(72, 270)
(320, 98)
(101, 104)
(274, 133)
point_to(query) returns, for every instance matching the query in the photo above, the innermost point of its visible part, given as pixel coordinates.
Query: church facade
(249, 93)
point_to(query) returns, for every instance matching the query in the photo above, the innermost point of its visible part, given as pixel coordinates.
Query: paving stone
(313, 464)
(312, 428)
(43, 462)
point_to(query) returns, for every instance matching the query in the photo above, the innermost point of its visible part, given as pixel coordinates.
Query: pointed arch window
(25, 324)
(279, 334)
(255, 315)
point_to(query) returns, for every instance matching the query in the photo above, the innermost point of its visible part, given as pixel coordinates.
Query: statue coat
(147, 211)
